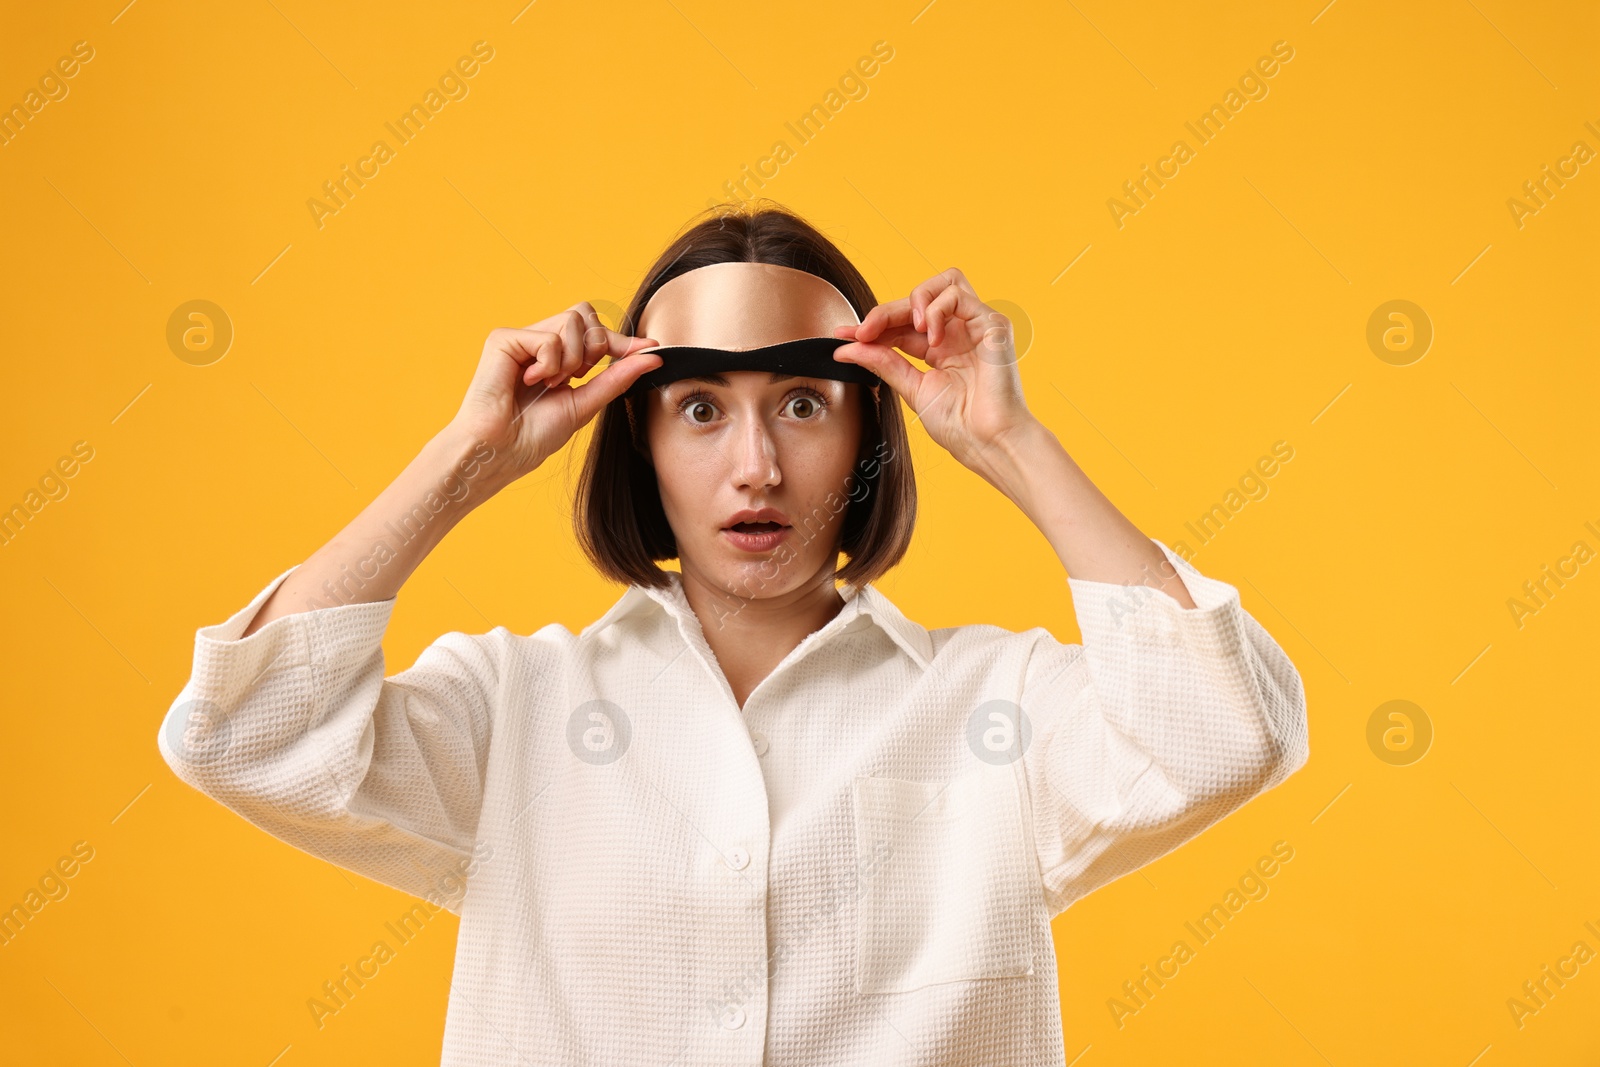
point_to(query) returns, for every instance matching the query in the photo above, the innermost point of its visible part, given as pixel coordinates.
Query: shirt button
(738, 859)
(760, 741)
(733, 1018)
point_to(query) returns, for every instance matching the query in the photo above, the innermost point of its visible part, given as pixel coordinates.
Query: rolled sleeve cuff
(313, 637)
(302, 650)
(1108, 609)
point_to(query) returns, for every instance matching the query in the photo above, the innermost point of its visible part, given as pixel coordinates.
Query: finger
(622, 344)
(512, 360)
(535, 351)
(611, 383)
(928, 291)
(600, 342)
(566, 358)
(922, 296)
(597, 339)
(960, 280)
(592, 344)
(957, 304)
(553, 323)
(939, 311)
(590, 352)
(563, 360)
(886, 363)
(907, 338)
(894, 313)
(522, 346)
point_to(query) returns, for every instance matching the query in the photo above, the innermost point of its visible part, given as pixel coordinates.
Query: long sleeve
(1162, 722)
(296, 729)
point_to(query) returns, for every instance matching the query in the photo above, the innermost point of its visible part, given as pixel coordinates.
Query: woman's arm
(517, 411)
(970, 401)
(297, 730)
(1165, 720)
(1093, 540)
(371, 558)
(1178, 706)
(288, 719)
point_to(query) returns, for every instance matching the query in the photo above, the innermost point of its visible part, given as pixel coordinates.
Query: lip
(757, 542)
(759, 515)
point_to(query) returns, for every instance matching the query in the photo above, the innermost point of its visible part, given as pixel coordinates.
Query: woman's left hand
(970, 397)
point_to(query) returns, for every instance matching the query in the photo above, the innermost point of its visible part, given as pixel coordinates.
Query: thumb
(611, 383)
(887, 364)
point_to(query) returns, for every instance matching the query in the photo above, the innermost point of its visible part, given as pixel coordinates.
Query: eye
(804, 403)
(694, 405)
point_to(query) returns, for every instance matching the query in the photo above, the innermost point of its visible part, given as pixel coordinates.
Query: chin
(756, 576)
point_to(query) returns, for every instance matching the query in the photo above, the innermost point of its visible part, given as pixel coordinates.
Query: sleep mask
(746, 316)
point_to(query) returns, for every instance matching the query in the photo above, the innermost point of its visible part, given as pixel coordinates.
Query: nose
(754, 458)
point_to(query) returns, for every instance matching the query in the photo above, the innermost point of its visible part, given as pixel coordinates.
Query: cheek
(817, 469)
(816, 472)
(688, 473)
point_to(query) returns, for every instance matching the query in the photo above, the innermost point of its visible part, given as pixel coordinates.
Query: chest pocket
(948, 889)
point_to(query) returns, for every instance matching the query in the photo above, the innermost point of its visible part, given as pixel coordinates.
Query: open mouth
(758, 538)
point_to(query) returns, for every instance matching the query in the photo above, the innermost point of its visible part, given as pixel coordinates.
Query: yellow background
(1228, 314)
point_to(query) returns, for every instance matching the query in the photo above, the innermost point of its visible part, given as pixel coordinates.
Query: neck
(751, 635)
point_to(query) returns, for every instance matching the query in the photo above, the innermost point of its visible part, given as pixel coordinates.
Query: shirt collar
(860, 602)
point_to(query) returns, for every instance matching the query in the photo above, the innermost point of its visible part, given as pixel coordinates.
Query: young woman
(750, 815)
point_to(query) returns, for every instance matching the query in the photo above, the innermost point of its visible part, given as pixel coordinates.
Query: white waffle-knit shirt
(858, 867)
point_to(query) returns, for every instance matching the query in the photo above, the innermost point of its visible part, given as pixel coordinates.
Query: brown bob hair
(621, 525)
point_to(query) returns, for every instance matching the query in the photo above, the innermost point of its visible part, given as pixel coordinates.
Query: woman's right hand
(519, 401)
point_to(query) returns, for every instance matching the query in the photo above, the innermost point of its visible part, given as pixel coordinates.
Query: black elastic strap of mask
(809, 357)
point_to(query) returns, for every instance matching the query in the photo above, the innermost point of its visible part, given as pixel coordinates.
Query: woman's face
(739, 442)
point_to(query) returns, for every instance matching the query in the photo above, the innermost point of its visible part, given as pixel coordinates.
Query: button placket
(743, 993)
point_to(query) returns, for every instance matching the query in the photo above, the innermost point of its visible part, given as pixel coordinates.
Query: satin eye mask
(746, 316)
